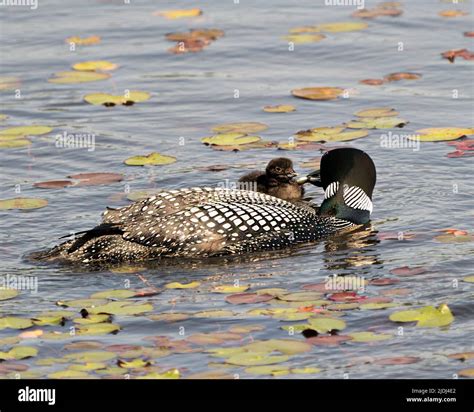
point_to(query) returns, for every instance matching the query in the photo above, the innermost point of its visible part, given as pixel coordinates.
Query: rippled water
(417, 191)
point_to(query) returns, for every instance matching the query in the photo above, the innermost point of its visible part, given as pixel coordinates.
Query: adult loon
(277, 180)
(203, 222)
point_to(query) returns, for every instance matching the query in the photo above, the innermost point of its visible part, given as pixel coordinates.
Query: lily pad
(177, 285)
(377, 123)
(113, 294)
(21, 131)
(179, 14)
(244, 298)
(230, 288)
(436, 134)
(19, 352)
(97, 329)
(78, 77)
(230, 139)
(109, 100)
(68, 374)
(214, 314)
(368, 336)
(255, 358)
(242, 128)
(268, 370)
(90, 356)
(13, 143)
(285, 346)
(332, 137)
(22, 203)
(318, 93)
(324, 325)
(340, 27)
(377, 112)
(83, 41)
(82, 303)
(428, 316)
(302, 38)
(95, 65)
(12, 322)
(281, 108)
(394, 77)
(469, 279)
(152, 159)
(8, 294)
(122, 308)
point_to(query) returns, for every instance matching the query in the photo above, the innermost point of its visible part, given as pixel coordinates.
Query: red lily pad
(53, 184)
(397, 360)
(317, 287)
(372, 82)
(330, 340)
(243, 298)
(90, 179)
(346, 297)
(451, 55)
(383, 281)
(408, 271)
(460, 153)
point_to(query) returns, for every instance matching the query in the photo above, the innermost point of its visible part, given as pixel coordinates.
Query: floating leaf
(318, 93)
(408, 271)
(95, 65)
(435, 134)
(242, 298)
(83, 41)
(68, 374)
(467, 373)
(133, 364)
(82, 303)
(112, 100)
(341, 27)
(453, 13)
(12, 322)
(332, 137)
(53, 184)
(179, 14)
(285, 346)
(92, 319)
(369, 336)
(9, 83)
(88, 366)
(97, 329)
(330, 340)
(372, 82)
(300, 296)
(152, 159)
(245, 328)
(428, 316)
(469, 279)
(253, 359)
(48, 320)
(169, 374)
(22, 203)
(230, 139)
(451, 55)
(169, 317)
(90, 179)
(177, 285)
(22, 131)
(122, 308)
(306, 371)
(292, 316)
(305, 38)
(90, 356)
(376, 306)
(377, 112)
(268, 370)
(462, 356)
(214, 314)
(377, 123)
(33, 334)
(8, 294)
(113, 294)
(77, 77)
(394, 77)
(397, 360)
(324, 325)
(230, 288)
(280, 108)
(19, 352)
(13, 143)
(242, 128)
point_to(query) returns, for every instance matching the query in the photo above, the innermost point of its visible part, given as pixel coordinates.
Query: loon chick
(277, 180)
(202, 222)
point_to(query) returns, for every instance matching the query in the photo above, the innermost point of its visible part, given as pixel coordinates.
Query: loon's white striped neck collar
(353, 196)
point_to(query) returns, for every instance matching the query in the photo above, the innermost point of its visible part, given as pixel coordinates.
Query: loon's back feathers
(201, 222)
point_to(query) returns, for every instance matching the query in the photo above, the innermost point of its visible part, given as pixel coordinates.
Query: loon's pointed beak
(313, 178)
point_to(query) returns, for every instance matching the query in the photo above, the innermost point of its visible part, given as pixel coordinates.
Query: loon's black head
(348, 178)
(281, 169)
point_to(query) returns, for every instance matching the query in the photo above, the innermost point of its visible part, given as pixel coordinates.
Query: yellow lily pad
(280, 108)
(369, 336)
(47, 320)
(8, 294)
(318, 93)
(97, 329)
(332, 137)
(230, 139)
(92, 318)
(377, 112)
(285, 346)
(152, 159)
(436, 134)
(302, 38)
(255, 358)
(169, 317)
(82, 303)
(428, 316)
(95, 65)
(241, 128)
(377, 123)
(467, 373)
(273, 370)
(112, 100)
(230, 288)
(375, 306)
(22, 131)
(469, 279)
(133, 364)
(90, 356)
(341, 27)
(68, 374)
(9, 82)
(113, 294)
(77, 77)
(307, 371)
(324, 325)
(19, 352)
(179, 14)
(22, 203)
(13, 143)
(169, 374)
(83, 41)
(88, 366)
(177, 285)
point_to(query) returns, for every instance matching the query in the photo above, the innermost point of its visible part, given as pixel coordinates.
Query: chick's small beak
(290, 174)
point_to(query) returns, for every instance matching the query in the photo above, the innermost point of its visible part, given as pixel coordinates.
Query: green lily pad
(22, 203)
(90, 356)
(47, 320)
(122, 308)
(377, 123)
(133, 364)
(152, 159)
(377, 112)
(82, 303)
(240, 128)
(19, 352)
(169, 374)
(169, 317)
(113, 294)
(324, 325)
(177, 285)
(12, 322)
(214, 314)
(230, 139)
(375, 306)
(97, 329)
(8, 294)
(307, 371)
(285, 346)
(230, 289)
(255, 358)
(91, 319)
(273, 370)
(331, 137)
(22, 131)
(68, 374)
(469, 279)
(88, 366)
(428, 316)
(368, 336)
(12, 143)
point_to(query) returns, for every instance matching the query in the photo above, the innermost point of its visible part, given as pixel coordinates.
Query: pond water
(418, 192)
